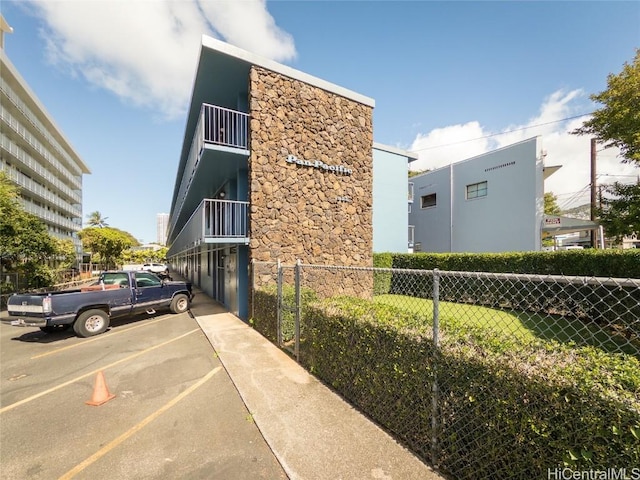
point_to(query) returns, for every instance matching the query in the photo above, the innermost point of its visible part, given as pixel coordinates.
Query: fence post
(253, 288)
(279, 306)
(436, 346)
(298, 272)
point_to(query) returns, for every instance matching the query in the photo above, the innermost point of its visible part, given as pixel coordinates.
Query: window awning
(557, 224)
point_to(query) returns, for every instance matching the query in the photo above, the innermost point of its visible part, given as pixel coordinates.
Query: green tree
(145, 256)
(134, 241)
(620, 212)
(95, 219)
(10, 211)
(551, 204)
(66, 253)
(550, 208)
(25, 244)
(617, 122)
(106, 243)
(414, 173)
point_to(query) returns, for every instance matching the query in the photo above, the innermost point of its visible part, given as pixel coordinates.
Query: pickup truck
(89, 309)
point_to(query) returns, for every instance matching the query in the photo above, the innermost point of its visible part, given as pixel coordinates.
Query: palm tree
(95, 219)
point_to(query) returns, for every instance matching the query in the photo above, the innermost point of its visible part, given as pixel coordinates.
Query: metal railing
(225, 219)
(225, 127)
(481, 375)
(214, 221)
(216, 125)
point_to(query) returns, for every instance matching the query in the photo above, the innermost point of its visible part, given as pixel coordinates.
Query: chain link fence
(10, 283)
(481, 375)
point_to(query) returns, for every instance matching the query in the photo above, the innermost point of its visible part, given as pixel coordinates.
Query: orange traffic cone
(100, 391)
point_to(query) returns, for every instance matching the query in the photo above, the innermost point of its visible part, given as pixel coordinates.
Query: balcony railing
(410, 192)
(216, 125)
(214, 221)
(225, 127)
(224, 219)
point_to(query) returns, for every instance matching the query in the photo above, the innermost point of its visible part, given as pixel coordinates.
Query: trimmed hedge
(506, 408)
(265, 310)
(382, 280)
(589, 262)
(611, 306)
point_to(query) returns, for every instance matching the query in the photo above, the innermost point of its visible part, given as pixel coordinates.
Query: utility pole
(593, 190)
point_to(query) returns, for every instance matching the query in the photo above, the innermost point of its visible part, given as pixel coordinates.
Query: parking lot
(176, 413)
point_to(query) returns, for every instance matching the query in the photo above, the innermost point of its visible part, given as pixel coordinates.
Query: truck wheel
(55, 328)
(179, 304)
(91, 322)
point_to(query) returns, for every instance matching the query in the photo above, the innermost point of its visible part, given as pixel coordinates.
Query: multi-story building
(162, 221)
(490, 203)
(279, 165)
(37, 156)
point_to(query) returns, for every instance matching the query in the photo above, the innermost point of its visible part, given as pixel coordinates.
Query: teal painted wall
(390, 202)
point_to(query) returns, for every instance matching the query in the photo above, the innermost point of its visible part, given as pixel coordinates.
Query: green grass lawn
(522, 327)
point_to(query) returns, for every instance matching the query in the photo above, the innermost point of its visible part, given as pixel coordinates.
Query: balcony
(224, 131)
(410, 192)
(222, 222)
(222, 126)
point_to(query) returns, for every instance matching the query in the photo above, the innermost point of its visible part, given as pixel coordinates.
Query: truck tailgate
(26, 305)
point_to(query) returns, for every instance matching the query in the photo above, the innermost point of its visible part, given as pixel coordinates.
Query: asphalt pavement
(175, 414)
(200, 395)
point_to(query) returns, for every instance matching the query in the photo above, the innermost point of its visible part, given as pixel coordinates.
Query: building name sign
(319, 165)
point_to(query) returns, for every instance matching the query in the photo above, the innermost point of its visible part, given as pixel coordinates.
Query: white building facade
(35, 154)
(162, 226)
(490, 203)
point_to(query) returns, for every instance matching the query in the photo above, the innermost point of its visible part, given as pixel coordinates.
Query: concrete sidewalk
(311, 430)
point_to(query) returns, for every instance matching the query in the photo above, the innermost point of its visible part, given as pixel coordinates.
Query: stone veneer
(319, 216)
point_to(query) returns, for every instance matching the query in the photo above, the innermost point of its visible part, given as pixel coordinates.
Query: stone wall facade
(310, 174)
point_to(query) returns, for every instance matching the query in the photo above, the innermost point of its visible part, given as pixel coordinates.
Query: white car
(156, 268)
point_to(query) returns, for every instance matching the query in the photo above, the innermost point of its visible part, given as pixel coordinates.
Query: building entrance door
(231, 281)
(219, 277)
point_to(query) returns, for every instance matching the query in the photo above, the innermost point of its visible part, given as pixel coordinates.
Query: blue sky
(450, 79)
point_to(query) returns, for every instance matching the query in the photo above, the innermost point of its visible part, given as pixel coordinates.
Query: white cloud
(145, 51)
(570, 184)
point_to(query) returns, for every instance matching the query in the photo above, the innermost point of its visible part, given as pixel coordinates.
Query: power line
(612, 175)
(575, 197)
(500, 133)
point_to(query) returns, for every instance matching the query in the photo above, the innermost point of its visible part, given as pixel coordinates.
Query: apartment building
(162, 224)
(279, 165)
(37, 156)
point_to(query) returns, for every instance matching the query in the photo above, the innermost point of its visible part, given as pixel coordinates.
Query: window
(147, 280)
(121, 279)
(427, 201)
(476, 190)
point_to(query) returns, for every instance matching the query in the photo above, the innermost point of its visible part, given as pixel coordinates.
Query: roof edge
(254, 59)
(398, 151)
